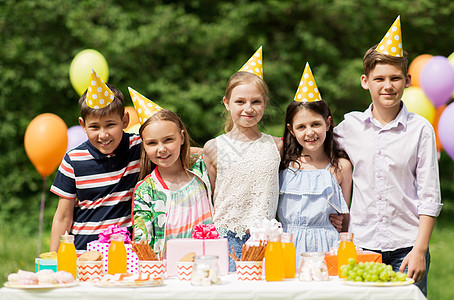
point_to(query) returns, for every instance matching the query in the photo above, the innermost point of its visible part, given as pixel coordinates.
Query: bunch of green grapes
(371, 272)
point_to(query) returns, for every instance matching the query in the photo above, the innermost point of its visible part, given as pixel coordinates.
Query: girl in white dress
(243, 163)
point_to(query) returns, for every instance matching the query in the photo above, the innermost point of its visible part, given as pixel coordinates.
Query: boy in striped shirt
(95, 180)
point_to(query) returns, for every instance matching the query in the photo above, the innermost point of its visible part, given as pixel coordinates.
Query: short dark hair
(372, 58)
(117, 106)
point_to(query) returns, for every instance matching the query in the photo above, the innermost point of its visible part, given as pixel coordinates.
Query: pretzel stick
(234, 254)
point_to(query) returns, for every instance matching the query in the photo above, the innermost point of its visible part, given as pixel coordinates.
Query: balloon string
(41, 214)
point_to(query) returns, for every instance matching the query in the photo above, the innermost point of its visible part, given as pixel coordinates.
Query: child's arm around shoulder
(280, 145)
(62, 222)
(345, 182)
(210, 153)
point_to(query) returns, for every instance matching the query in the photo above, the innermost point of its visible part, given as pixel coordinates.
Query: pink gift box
(132, 261)
(177, 248)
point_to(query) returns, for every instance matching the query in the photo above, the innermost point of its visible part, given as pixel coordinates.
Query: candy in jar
(205, 270)
(313, 267)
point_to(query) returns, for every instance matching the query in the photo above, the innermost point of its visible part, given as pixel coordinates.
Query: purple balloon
(437, 80)
(76, 136)
(446, 129)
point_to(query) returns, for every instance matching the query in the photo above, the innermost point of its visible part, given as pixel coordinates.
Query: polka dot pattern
(132, 261)
(145, 108)
(254, 64)
(98, 94)
(307, 90)
(391, 44)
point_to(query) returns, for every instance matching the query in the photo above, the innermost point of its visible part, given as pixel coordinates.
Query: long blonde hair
(240, 78)
(146, 166)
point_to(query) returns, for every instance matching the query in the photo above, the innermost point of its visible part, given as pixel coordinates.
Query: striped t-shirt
(101, 185)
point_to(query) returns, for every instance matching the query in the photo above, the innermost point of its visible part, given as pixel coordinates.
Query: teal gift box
(43, 264)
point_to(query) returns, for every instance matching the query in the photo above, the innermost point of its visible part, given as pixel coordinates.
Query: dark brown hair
(117, 106)
(372, 58)
(146, 166)
(240, 78)
(293, 149)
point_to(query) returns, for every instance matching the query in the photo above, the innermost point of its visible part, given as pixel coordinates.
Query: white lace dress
(247, 183)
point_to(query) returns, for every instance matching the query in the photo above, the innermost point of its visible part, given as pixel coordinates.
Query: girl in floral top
(174, 197)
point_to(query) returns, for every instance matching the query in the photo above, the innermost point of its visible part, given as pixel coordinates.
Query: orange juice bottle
(346, 250)
(66, 255)
(289, 253)
(274, 259)
(117, 255)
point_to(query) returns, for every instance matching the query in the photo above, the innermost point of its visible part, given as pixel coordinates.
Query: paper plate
(39, 286)
(148, 283)
(396, 283)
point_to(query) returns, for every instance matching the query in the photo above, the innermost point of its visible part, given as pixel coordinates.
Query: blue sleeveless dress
(306, 199)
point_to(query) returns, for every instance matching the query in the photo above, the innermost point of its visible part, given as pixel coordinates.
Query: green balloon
(81, 66)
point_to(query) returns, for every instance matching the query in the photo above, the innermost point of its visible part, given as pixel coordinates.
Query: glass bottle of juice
(289, 255)
(346, 250)
(66, 255)
(274, 258)
(117, 255)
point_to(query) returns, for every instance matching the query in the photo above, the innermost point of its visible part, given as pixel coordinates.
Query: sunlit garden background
(180, 54)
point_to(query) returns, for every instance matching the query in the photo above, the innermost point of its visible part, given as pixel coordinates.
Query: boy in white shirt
(396, 190)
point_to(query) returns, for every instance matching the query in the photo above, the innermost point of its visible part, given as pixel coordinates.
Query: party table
(230, 288)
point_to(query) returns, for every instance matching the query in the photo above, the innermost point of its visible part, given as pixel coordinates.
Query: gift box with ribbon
(205, 241)
(103, 243)
(362, 256)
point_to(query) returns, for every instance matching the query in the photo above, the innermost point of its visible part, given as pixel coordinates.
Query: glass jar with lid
(313, 267)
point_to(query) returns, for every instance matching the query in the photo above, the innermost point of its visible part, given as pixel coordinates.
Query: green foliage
(181, 54)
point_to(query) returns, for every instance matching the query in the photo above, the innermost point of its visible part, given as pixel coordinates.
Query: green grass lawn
(18, 251)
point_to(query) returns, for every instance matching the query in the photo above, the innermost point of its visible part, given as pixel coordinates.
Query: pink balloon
(437, 80)
(76, 136)
(446, 130)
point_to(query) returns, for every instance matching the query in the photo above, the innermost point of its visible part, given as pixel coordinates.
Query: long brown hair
(240, 78)
(146, 166)
(293, 149)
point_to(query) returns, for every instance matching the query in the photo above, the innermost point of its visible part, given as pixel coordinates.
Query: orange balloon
(45, 141)
(133, 117)
(438, 111)
(416, 66)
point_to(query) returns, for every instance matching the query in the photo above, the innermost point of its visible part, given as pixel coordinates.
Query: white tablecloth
(229, 289)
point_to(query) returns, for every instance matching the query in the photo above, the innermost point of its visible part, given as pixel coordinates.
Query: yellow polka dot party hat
(307, 89)
(254, 64)
(145, 108)
(98, 94)
(391, 44)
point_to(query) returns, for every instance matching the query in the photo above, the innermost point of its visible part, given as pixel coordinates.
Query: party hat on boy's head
(307, 90)
(145, 108)
(391, 44)
(98, 93)
(254, 64)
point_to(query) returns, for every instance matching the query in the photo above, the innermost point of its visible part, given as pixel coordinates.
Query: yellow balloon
(417, 102)
(81, 66)
(451, 61)
(133, 129)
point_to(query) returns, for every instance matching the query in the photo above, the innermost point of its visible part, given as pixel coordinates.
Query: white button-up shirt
(395, 177)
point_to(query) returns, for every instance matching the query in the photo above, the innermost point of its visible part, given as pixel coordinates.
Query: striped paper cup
(184, 269)
(154, 268)
(89, 270)
(249, 270)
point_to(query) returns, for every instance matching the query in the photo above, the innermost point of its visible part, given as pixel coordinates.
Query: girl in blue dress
(315, 176)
